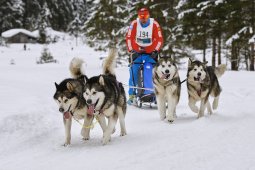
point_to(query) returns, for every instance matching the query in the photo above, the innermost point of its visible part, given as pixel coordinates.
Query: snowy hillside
(32, 132)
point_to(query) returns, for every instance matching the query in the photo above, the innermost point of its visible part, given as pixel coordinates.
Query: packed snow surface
(32, 131)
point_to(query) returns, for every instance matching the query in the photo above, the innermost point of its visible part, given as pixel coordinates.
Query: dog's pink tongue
(67, 115)
(164, 76)
(91, 109)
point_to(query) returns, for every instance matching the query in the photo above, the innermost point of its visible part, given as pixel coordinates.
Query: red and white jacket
(149, 38)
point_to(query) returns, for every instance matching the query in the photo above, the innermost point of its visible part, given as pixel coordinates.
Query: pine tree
(46, 56)
(237, 33)
(188, 30)
(105, 25)
(31, 14)
(61, 13)
(75, 28)
(43, 23)
(11, 12)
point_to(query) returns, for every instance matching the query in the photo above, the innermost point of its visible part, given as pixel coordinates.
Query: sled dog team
(103, 96)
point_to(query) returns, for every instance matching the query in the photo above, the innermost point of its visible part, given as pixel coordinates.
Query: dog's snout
(89, 101)
(167, 71)
(61, 109)
(199, 74)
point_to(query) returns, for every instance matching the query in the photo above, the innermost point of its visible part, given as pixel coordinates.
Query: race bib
(144, 35)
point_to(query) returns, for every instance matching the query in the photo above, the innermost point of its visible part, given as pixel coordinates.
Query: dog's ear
(85, 80)
(56, 85)
(101, 80)
(157, 64)
(70, 86)
(205, 62)
(172, 59)
(189, 62)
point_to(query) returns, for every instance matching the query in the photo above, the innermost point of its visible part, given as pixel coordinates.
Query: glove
(154, 55)
(133, 56)
(142, 50)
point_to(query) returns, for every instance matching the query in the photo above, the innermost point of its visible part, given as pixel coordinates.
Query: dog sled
(144, 93)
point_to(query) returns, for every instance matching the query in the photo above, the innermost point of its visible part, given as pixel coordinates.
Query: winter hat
(143, 13)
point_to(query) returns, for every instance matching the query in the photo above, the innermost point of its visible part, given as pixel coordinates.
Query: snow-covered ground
(32, 132)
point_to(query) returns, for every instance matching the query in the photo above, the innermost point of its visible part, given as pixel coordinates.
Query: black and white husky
(71, 103)
(202, 81)
(167, 87)
(104, 95)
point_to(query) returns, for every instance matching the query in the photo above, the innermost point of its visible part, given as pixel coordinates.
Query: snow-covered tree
(75, 27)
(43, 23)
(106, 24)
(11, 12)
(31, 14)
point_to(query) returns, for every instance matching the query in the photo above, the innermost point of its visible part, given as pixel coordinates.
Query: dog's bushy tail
(110, 63)
(220, 70)
(75, 67)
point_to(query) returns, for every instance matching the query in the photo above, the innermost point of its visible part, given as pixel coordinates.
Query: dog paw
(194, 109)
(113, 130)
(215, 105)
(200, 115)
(210, 112)
(123, 133)
(85, 134)
(106, 139)
(85, 138)
(162, 117)
(170, 119)
(66, 144)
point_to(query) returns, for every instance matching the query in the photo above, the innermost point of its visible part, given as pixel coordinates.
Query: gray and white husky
(202, 81)
(104, 95)
(71, 103)
(167, 87)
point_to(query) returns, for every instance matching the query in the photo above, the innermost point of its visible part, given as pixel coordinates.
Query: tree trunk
(246, 57)
(233, 57)
(219, 49)
(252, 57)
(205, 44)
(213, 51)
(204, 54)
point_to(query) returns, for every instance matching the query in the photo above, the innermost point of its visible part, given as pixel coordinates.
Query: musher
(144, 36)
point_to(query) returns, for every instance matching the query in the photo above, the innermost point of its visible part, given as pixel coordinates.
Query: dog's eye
(163, 66)
(65, 100)
(86, 93)
(94, 93)
(59, 101)
(201, 69)
(169, 65)
(195, 69)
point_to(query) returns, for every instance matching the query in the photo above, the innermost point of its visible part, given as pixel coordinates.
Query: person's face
(143, 18)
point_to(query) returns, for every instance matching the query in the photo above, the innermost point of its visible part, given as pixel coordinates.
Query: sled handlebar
(141, 63)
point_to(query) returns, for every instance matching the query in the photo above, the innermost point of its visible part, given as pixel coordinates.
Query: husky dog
(69, 98)
(104, 95)
(167, 87)
(202, 81)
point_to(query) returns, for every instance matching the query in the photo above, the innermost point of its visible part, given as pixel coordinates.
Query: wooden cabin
(19, 36)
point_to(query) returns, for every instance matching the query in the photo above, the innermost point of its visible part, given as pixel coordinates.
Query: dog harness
(174, 80)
